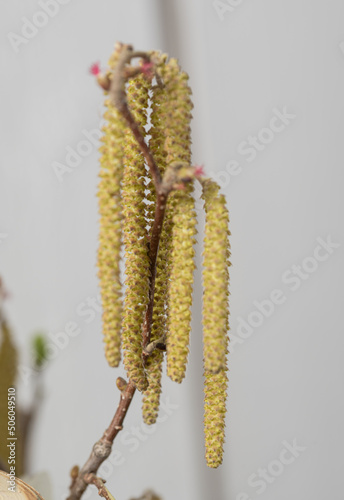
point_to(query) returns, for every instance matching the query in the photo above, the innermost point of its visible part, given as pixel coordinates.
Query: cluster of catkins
(127, 201)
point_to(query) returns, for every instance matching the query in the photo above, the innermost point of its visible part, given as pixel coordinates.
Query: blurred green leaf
(39, 347)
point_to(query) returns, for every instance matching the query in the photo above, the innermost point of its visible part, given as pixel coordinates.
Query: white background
(286, 377)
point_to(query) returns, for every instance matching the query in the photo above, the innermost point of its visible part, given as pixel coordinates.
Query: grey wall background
(246, 60)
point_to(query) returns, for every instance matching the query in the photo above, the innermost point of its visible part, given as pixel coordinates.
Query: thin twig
(119, 98)
(153, 254)
(156, 344)
(99, 483)
(102, 449)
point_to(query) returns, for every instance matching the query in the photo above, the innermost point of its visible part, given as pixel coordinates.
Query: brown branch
(119, 98)
(156, 344)
(154, 170)
(99, 483)
(102, 448)
(117, 421)
(153, 248)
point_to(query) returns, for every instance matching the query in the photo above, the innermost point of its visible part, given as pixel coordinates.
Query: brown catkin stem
(100, 485)
(155, 359)
(137, 265)
(102, 449)
(172, 149)
(119, 99)
(154, 246)
(153, 362)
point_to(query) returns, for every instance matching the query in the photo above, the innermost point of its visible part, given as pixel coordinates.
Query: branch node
(102, 449)
(99, 483)
(156, 344)
(177, 174)
(74, 472)
(121, 384)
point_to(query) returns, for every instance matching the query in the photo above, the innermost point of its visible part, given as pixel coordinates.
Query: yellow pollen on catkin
(151, 397)
(181, 286)
(127, 203)
(215, 319)
(135, 237)
(215, 386)
(176, 118)
(110, 227)
(216, 254)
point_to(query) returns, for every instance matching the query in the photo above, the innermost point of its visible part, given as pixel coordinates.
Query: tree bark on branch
(102, 448)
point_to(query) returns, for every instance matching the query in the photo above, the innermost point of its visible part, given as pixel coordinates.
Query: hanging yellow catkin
(215, 278)
(110, 230)
(177, 117)
(181, 285)
(151, 397)
(215, 387)
(215, 319)
(135, 237)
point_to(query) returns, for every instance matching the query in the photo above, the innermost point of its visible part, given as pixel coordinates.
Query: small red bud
(199, 170)
(95, 69)
(147, 69)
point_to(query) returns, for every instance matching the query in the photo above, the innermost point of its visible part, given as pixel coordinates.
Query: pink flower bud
(147, 69)
(95, 69)
(199, 170)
